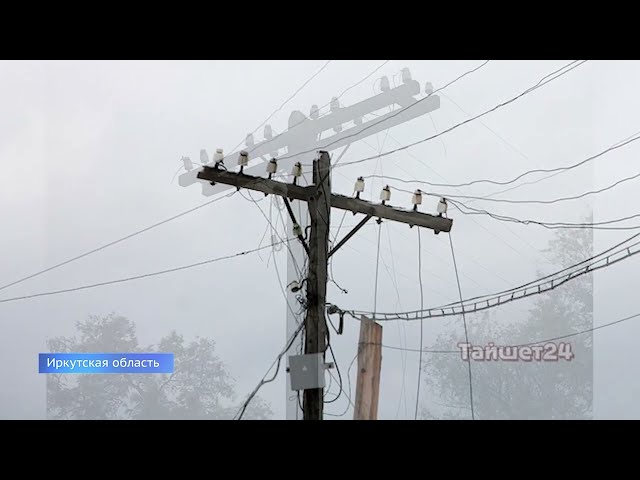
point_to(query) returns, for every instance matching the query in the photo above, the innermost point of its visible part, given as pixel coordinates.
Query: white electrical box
(307, 371)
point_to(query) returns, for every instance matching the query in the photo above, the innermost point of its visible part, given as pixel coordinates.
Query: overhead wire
(335, 237)
(115, 242)
(421, 324)
(297, 267)
(263, 382)
(327, 390)
(402, 332)
(611, 148)
(515, 201)
(137, 277)
(410, 154)
(349, 402)
(478, 303)
(601, 225)
(549, 225)
(139, 232)
(495, 133)
(534, 182)
(375, 291)
(401, 110)
(497, 237)
(580, 264)
(558, 73)
(478, 306)
(340, 386)
(477, 223)
(437, 258)
(211, 202)
(431, 273)
(466, 331)
(292, 127)
(403, 392)
(302, 275)
(277, 270)
(348, 395)
(446, 158)
(537, 342)
(318, 72)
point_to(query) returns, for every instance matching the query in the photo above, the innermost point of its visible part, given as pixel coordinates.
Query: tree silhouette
(518, 389)
(199, 388)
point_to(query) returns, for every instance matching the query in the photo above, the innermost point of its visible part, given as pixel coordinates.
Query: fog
(89, 150)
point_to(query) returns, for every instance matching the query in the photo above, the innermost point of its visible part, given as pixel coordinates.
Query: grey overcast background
(88, 150)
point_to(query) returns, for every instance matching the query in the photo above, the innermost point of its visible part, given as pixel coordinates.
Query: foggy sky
(88, 150)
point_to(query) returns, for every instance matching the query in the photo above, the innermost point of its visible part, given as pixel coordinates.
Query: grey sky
(88, 150)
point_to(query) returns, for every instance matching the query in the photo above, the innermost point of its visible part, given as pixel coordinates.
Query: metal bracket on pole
(350, 234)
(295, 222)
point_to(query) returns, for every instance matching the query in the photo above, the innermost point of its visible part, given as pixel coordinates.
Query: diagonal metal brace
(349, 235)
(295, 222)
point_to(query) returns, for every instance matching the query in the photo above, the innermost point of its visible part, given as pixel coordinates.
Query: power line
(328, 388)
(538, 202)
(137, 277)
(548, 225)
(335, 361)
(421, 324)
(275, 264)
(288, 99)
(402, 335)
(512, 291)
(477, 223)
(449, 196)
(335, 237)
(535, 287)
(403, 393)
(564, 169)
(359, 81)
(379, 152)
(499, 238)
(560, 72)
(273, 228)
(513, 180)
(401, 110)
(580, 264)
(323, 106)
(349, 401)
(547, 176)
(302, 274)
(344, 92)
(496, 134)
(115, 242)
(437, 134)
(262, 382)
(414, 350)
(432, 273)
(486, 305)
(375, 291)
(466, 332)
(537, 342)
(349, 377)
(110, 244)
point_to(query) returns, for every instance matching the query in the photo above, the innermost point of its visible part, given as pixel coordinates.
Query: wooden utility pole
(315, 325)
(320, 200)
(307, 135)
(369, 365)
